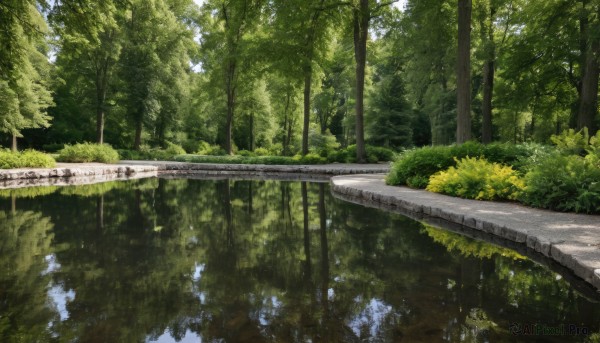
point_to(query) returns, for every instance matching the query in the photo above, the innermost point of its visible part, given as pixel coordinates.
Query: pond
(181, 260)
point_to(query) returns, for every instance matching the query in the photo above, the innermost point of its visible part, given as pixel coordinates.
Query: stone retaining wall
(72, 174)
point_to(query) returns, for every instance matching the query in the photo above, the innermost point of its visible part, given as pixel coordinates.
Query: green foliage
(174, 149)
(238, 159)
(310, 158)
(205, 148)
(572, 142)
(374, 155)
(246, 153)
(25, 159)
(478, 179)
(414, 167)
(154, 154)
(261, 152)
(564, 183)
(88, 152)
(322, 143)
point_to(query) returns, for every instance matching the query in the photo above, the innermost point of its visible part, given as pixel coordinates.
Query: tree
(300, 31)
(153, 66)
(463, 78)
(90, 44)
(427, 45)
(390, 117)
(362, 13)
(226, 30)
(24, 69)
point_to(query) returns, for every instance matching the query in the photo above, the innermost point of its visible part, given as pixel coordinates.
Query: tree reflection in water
(255, 261)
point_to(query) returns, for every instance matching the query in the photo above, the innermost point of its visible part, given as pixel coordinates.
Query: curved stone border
(572, 240)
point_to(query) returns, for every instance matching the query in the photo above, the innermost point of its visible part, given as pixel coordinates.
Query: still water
(159, 260)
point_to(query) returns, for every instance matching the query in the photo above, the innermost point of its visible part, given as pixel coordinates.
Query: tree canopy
(287, 76)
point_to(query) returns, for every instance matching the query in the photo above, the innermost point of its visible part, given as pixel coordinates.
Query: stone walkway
(572, 240)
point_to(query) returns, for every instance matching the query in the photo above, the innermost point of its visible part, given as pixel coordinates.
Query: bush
(474, 178)
(129, 154)
(211, 150)
(88, 152)
(564, 183)
(571, 142)
(322, 143)
(310, 158)
(25, 159)
(261, 152)
(374, 155)
(174, 149)
(36, 159)
(340, 156)
(246, 153)
(414, 167)
(271, 160)
(381, 154)
(155, 154)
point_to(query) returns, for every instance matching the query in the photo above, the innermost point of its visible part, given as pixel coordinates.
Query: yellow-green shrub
(25, 159)
(88, 152)
(479, 179)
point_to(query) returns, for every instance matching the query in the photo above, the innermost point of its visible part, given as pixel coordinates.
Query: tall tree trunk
(361, 32)
(252, 131)
(230, 88)
(138, 134)
(588, 102)
(463, 77)
(14, 147)
(101, 97)
(486, 106)
(488, 80)
(101, 90)
(306, 126)
(285, 124)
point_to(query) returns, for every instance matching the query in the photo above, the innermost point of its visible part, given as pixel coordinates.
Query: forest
(286, 77)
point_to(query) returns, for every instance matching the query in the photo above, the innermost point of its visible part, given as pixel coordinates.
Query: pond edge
(571, 240)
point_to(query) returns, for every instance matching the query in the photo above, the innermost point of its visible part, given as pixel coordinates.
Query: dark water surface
(260, 261)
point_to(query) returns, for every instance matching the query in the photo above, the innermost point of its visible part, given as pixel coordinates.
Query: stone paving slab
(572, 240)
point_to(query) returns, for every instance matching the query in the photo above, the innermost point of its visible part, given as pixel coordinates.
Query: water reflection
(261, 261)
